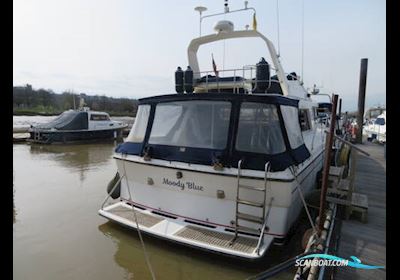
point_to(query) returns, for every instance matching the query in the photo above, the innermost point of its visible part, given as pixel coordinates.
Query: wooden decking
(367, 241)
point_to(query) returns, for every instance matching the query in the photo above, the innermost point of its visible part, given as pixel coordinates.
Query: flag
(254, 22)
(214, 65)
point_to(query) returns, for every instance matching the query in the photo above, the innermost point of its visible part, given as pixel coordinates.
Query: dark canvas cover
(69, 120)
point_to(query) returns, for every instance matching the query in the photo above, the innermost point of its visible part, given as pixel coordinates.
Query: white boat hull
(192, 200)
(177, 230)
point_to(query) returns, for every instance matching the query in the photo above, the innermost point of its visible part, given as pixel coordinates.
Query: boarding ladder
(261, 220)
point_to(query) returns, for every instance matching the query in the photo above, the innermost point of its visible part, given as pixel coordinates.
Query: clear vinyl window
(194, 123)
(290, 116)
(259, 129)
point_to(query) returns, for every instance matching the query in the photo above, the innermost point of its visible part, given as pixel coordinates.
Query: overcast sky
(126, 48)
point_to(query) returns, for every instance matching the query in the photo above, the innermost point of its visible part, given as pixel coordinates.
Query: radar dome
(224, 26)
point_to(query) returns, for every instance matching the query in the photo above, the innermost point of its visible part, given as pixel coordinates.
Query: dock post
(361, 98)
(339, 115)
(327, 164)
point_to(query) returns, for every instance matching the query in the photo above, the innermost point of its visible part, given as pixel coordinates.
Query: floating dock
(367, 241)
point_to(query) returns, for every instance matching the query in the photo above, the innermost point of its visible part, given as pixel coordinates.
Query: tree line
(29, 101)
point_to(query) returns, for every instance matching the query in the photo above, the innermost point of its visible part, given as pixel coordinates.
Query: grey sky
(131, 48)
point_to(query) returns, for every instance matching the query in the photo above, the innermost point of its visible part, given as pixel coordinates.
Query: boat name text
(180, 184)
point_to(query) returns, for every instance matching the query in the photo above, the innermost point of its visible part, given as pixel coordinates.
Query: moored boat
(375, 128)
(77, 126)
(223, 166)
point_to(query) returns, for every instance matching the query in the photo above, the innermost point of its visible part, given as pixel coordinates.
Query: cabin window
(304, 119)
(195, 123)
(380, 121)
(290, 116)
(259, 129)
(94, 117)
(138, 131)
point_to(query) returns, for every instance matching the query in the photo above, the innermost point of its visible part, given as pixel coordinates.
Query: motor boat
(222, 164)
(373, 112)
(77, 126)
(375, 129)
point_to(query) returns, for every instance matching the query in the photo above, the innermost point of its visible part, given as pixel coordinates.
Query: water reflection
(81, 158)
(59, 235)
(168, 260)
(174, 261)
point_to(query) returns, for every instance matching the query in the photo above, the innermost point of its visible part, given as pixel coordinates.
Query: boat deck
(367, 241)
(178, 230)
(142, 219)
(241, 244)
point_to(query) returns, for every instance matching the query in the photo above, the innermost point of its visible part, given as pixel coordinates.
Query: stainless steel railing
(247, 81)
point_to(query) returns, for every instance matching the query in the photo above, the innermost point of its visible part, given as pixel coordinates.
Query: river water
(57, 233)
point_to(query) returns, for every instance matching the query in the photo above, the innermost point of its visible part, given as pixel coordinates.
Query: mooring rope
(137, 224)
(292, 169)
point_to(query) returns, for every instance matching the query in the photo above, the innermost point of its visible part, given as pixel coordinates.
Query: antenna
(277, 19)
(226, 7)
(200, 9)
(226, 10)
(302, 44)
(223, 57)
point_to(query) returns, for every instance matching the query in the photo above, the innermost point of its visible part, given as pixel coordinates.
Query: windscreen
(259, 130)
(194, 123)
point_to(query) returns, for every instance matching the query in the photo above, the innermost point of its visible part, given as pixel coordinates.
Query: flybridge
(197, 42)
(248, 79)
(253, 78)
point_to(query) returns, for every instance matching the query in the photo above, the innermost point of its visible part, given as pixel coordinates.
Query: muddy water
(58, 234)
